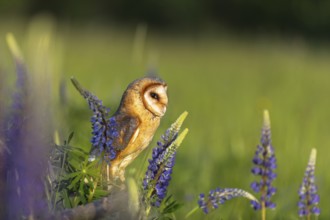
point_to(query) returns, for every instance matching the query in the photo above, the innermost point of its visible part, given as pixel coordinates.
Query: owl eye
(154, 95)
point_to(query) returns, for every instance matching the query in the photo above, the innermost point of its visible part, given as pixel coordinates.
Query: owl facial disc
(155, 99)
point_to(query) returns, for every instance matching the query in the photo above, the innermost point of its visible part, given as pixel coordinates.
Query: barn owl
(129, 131)
(138, 116)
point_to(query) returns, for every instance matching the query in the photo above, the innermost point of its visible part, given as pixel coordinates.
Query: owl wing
(128, 129)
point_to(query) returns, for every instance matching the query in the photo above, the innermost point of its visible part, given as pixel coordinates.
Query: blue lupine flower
(15, 145)
(24, 136)
(161, 164)
(219, 196)
(15, 118)
(159, 171)
(104, 128)
(308, 197)
(265, 164)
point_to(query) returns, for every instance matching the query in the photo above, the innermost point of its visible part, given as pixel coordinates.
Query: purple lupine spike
(26, 129)
(157, 155)
(219, 196)
(159, 171)
(264, 162)
(103, 128)
(308, 197)
(158, 174)
(14, 135)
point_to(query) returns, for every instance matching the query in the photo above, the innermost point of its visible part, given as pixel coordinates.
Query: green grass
(224, 82)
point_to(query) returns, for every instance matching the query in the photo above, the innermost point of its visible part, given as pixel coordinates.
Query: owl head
(146, 95)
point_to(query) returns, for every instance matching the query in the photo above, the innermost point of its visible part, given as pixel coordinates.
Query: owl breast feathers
(138, 116)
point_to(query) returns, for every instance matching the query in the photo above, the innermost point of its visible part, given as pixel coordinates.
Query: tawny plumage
(142, 106)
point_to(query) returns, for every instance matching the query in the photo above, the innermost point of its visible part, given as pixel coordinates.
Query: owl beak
(164, 110)
(161, 111)
(164, 102)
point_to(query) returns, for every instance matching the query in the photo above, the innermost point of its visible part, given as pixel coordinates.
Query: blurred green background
(224, 63)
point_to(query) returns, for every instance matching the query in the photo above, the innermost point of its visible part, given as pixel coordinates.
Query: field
(224, 80)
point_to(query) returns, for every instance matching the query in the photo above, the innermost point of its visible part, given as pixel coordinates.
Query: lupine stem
(191, 212)
(154, 182)
(148, 210)
(263, 194)
(263, 210)
(308, 217)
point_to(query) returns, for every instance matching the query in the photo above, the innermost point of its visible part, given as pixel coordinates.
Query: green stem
(308, 215)
(155, 180)
(264, 189)
(148, 210)
(92, 192)
(191, 212)
(263, 211)
(60, 175)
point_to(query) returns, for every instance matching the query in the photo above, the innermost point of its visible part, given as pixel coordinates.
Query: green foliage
(170, 206)
(75, 180)
(167, 209)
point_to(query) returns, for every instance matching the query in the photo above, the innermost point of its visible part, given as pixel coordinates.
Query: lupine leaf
(70, 137)
(66, 199)
(172, 207)
(100, 193)
(74, 181)
(70, 175)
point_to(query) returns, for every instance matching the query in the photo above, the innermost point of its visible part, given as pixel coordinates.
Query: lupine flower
(161, 164)
(25, 131)
(264, 165)
(308, 197)
(14, 134)
(15, 119)
(219, 196)
(104, 128)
